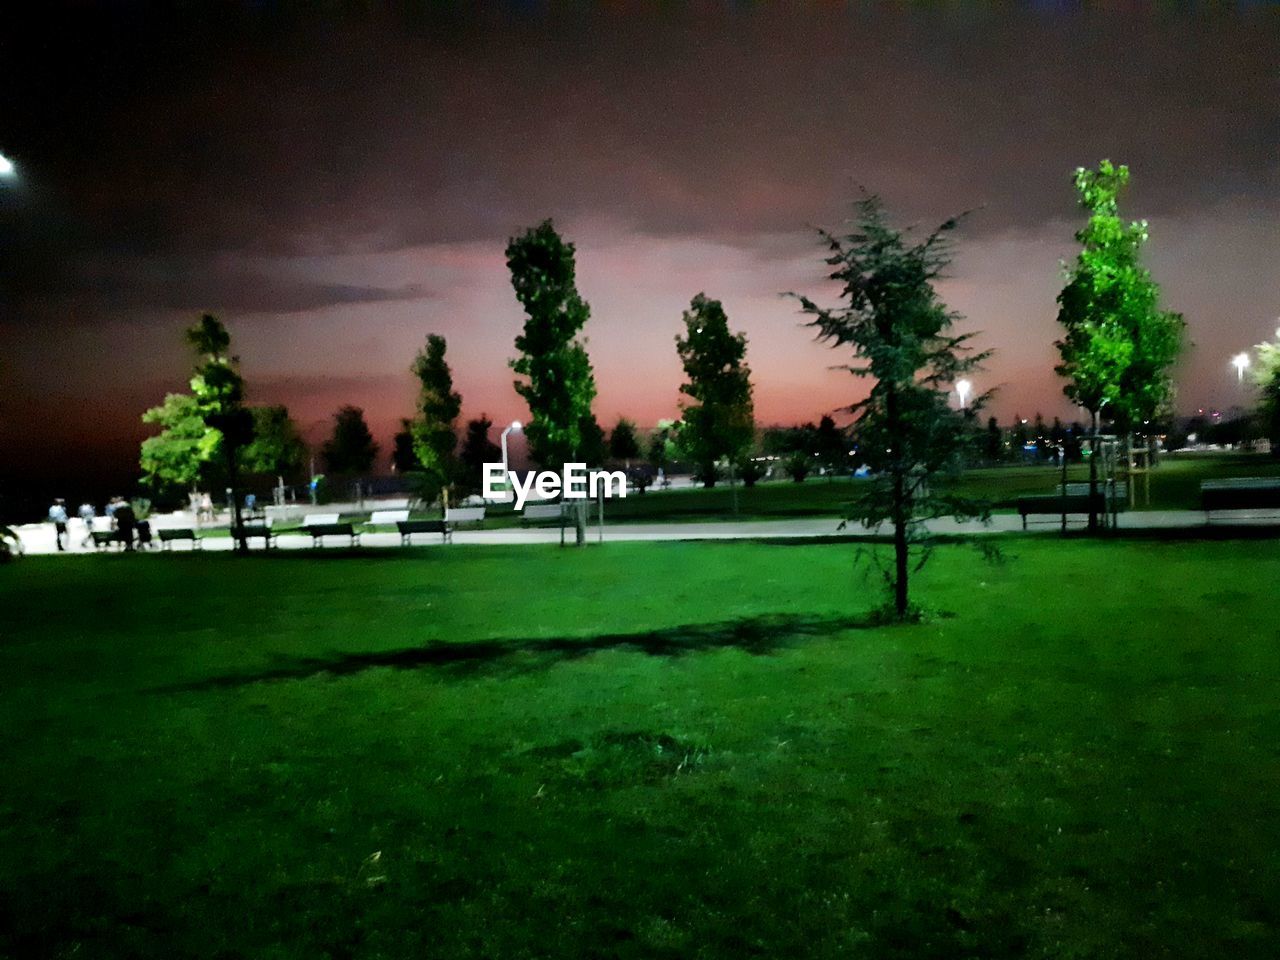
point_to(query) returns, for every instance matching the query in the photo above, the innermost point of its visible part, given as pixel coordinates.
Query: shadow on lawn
(756, 635)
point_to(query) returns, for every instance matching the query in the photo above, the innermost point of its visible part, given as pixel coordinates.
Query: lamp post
(1241, 362)
(962, 388)
(515, 425)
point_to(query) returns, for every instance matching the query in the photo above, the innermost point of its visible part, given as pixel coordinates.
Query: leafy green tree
(1118, 346)
(623, 443)
(719, 423)
(277, 448)
(478, 449)
(351, 448)
(558, 384)
(435, 432)
(900, 334)
(218, 389)
(662, 445)
(178, 456)
(1266, 374)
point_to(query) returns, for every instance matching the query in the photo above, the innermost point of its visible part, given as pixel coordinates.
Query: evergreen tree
(720, 423)
(900, 334)
(623, 444)
(351, 448)
(434, 430)
(478, 449)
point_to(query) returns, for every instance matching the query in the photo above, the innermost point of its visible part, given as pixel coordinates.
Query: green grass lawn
(642, 750)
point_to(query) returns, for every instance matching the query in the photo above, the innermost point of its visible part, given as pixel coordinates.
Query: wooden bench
(408, 528)
(169, 537)
(1057, 504)
(455, 515)
(321, 525)
(1239, 493)
(255, 531)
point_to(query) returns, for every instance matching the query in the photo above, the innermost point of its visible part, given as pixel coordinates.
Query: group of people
(120, 514)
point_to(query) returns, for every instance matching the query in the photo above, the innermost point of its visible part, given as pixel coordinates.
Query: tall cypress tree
(559, 385)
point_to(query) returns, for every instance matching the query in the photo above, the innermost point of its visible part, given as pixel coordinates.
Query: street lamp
(1241, 362)
(515, 425)
(963, 387)
(7, 169)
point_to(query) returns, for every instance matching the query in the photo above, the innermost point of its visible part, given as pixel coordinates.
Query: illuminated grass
(641, 750)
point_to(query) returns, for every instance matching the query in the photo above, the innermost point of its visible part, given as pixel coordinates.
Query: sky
(336, 188)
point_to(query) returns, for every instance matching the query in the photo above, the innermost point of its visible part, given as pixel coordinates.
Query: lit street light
(515, 425)
(1241, 362)
(7, 169)
(963, 387)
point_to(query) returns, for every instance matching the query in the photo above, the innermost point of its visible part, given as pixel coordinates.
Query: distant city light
(1241, 362)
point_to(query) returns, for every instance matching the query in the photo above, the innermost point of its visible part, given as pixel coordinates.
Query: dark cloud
(265, 162)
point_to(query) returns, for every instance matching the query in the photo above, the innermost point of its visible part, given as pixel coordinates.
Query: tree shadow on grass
(759, 636)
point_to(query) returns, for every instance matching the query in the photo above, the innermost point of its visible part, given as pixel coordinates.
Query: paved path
(39, 538)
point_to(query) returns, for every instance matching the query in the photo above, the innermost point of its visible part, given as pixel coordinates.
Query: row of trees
(1116, 352)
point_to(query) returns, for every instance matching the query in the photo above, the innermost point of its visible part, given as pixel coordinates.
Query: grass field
(642, 750)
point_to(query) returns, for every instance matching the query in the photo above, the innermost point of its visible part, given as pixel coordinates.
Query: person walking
(87, 515)
(126, 521)
(58, 514)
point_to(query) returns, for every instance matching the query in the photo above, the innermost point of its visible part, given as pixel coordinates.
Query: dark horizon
(336, 191)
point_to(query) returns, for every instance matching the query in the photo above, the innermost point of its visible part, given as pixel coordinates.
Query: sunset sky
(336, 191)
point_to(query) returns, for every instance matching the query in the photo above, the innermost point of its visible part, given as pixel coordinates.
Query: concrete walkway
(38, 538)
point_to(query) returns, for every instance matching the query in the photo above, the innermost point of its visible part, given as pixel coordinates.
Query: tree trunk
(899, 548)
(1093, 471)
(233, 476)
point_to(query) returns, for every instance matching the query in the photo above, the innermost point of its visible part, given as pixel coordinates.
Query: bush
(798, 466)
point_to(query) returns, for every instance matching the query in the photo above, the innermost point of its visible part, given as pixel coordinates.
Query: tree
(351, 448)
(900, 334)
(662, 444)
(1266, 374)
(277, 447)
(720, 423)
(218, 389)
(1118, 345)
(623, 444)
(593, 448)
(993, 446)
(435, 434)
(831, 446)
(558, 385)
(403, 458)
(177, 457)
(478, 449)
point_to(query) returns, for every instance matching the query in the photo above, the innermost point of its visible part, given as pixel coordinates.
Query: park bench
(256, 531)
(542, 511)
(321, 525)
(1239, 493)
(1121, 490)
(385, 518)
(456, 515)
(1056, 504)
(169, 537)
(408, 528)
(105, 538)
(560, 510)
